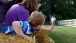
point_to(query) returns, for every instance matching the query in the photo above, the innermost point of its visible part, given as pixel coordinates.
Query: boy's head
(36, 18)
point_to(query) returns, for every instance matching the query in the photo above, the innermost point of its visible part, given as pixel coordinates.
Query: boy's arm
(18, 29)
(48, 29)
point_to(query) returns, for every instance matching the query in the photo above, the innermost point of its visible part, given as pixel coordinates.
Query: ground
(63, 34)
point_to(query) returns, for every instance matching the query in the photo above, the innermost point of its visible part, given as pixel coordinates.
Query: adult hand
(39, 5)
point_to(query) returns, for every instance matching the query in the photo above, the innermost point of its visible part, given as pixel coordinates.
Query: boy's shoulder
(24, 23)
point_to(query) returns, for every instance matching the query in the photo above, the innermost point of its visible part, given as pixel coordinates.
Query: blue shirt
(26, 28)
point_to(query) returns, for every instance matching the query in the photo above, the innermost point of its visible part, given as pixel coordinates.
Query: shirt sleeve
(23, 16)
(21, 23)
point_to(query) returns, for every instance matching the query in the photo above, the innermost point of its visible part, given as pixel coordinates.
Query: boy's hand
(51, 28)
(27, 37)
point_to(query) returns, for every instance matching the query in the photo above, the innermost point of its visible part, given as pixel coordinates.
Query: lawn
(63, 34)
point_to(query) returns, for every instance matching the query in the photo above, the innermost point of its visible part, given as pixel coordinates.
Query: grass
(63, 34)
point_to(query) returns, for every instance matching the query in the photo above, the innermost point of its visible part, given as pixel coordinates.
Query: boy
(27, 28)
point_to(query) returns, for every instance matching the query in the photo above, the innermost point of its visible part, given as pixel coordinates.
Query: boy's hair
(36, 18)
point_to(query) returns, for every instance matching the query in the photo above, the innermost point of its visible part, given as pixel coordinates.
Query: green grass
(63, 34)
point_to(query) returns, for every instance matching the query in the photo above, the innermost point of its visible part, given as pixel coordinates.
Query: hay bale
(39, 37)
(42, 37)
(15, 39)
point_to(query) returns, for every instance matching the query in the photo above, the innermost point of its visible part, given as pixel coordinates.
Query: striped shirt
(26, 28)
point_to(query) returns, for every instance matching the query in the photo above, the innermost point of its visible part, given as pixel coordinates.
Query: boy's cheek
(39, 27)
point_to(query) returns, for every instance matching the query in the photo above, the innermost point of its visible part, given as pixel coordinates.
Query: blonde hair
(36, 18)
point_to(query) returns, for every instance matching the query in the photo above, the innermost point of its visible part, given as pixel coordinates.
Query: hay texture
(42, 37)
(15, 39)
(39, 37)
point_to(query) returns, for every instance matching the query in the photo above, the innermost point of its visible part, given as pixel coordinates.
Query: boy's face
(38, 27)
